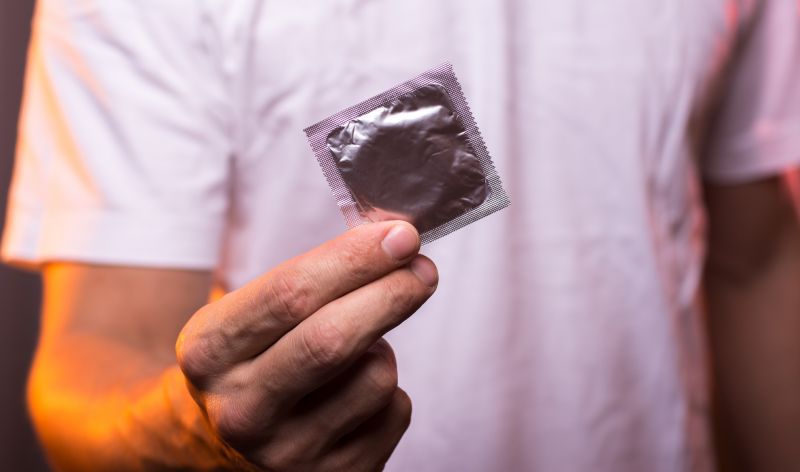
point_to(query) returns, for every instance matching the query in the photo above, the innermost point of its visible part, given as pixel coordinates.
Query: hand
(291, 370)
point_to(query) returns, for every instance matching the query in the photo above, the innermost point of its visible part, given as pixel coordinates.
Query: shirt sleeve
(123, 154)
(757, 130)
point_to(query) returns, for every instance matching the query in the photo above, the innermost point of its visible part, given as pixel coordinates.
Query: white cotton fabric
(565, 333)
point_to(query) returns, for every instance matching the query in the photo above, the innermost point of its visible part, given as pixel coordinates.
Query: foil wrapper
(412, 153)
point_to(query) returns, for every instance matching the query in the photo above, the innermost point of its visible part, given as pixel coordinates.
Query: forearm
(754, 321)
(98, 405)
(290, 369)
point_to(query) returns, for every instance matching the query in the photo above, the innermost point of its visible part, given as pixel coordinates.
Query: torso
(563, 335)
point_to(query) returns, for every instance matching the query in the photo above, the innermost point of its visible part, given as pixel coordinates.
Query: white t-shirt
(564, 335)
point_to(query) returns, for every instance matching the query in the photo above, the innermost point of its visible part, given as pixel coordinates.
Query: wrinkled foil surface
(411, 160)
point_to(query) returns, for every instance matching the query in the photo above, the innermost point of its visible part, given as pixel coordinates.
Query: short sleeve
(122, 151)
(757, 130)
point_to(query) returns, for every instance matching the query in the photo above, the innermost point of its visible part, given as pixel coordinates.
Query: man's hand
(291, 370)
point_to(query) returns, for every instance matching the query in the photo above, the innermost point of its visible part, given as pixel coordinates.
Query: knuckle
(402, 295)
(197, 356)
(231, 421)
(384, 349)
(290, 298)
(383, 378)
(324, 345)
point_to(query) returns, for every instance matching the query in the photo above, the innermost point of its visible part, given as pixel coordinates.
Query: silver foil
(412, 152)
(410, 159)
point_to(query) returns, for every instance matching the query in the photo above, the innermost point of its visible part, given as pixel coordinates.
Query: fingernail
(425, 271)
(400, 242)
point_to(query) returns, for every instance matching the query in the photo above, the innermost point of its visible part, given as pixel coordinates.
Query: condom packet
(412, 153)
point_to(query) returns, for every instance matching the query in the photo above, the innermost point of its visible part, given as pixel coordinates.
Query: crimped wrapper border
(444, 76)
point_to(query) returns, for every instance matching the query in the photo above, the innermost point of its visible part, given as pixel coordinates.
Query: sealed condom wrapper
(411, 153)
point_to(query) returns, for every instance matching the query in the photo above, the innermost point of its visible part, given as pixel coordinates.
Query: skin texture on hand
(257, 358)
(288, 373)
(752, 288)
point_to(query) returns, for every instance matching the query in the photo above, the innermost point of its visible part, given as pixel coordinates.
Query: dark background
(19, 292)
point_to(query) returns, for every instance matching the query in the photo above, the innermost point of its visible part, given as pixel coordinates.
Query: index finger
(247, 321)
(330, 340)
